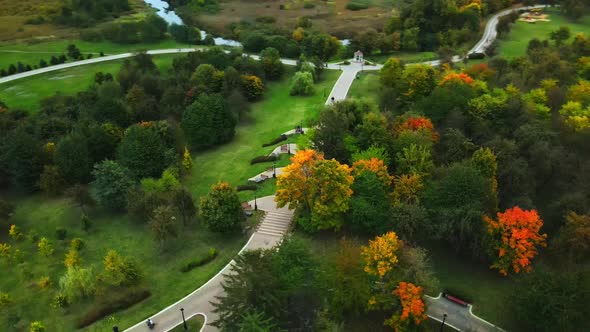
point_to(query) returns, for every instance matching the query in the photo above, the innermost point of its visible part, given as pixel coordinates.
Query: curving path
(458, 317)
(275, 224)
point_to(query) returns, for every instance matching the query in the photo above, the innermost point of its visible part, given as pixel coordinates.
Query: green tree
(73, 158)
(111, 184)
(77, 283)
(163, 224)
(369, 204)
(252, 87)
(22, 158)
(51, 181)
(414, 159)
(254, 321)
(120, 271)
(207, 79)
(183, 201)
(560, 35)
(220, 209)
(45, 247)
(302, 84)
(37, 327)
(80, 196)
(271, 63)
(143, 151)
(208, 121)
(391, 72)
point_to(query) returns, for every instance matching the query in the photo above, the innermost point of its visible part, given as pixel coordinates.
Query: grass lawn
(407, 57)
(42, 216)
(516, 42)
(366, 86)
(26, 93)
(31, 54)
(194, 324)
(276, 113)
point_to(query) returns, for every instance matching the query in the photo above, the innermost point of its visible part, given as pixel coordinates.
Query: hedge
(245, 187)
(124, 300)
(262, 159)
(476, 55)
(281, 138)
(199, 261)
(356, 6)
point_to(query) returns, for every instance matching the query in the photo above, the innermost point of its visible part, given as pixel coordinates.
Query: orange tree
(319, 188)
(374, 165)
(413, 307)
(515, 236)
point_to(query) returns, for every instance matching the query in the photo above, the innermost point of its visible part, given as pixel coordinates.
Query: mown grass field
(516, 42)
(276, 113)
(26, 93)
(39, 216)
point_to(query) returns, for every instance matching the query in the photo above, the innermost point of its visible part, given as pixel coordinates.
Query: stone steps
(275, 224)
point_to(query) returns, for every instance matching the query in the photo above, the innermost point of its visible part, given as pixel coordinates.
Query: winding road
(276, 221)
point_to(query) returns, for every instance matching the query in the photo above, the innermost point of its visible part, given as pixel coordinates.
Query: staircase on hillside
(275, 223)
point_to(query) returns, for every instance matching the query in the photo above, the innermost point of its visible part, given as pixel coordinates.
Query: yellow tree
(381, 254)
(319, 187)
(407, 188)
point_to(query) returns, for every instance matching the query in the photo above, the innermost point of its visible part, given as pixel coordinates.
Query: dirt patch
(330, 16)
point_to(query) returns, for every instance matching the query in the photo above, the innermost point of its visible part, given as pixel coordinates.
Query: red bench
(456, 300)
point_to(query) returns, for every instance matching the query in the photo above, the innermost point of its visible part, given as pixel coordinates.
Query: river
(171, 18)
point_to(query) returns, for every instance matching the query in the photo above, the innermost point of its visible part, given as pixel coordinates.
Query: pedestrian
(333, 100)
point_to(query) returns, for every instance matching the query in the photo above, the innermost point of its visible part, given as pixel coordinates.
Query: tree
(373, 165)
(208, 121)
(73, 52)
(381, 254)
(163, 223)
(185, 34)
(207, 79)
(77, 283)
(187, 161)
(15, 233)
(271, 63)
(111, 184)
(45, 247)
(391, 72)
(120, 271)
(407, 188)
(560, 35)
(321, 188)
(73, 158)
(414, 160)
(37, 327)
(183, 201)
(515, 238)
(143, 151)
(573, 239)
(51, 181)
(72, 258)
(560, 296)
(257, 321)
(220, 209)
(22, 158)
(302, 84)
(370, 203)
(413, 308)
(252, 87)
(80, 196)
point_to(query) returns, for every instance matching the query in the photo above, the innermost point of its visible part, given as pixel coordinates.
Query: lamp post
(442, 324)
(255, 203)
(274, 169)
(183, 320)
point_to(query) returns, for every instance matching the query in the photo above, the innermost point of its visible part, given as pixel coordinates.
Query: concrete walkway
(458, 317)
(270, 232)
(268, 174)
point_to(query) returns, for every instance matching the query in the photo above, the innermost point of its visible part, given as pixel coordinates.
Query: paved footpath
(458, 317)
(271, 230)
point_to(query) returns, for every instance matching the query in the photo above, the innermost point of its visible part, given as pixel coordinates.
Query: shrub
(5, 300)
(308, 5)
(245, 187)
(275, 141)
(60, 233)
(77, 244)
(122, 301)
(262, 159)
(59, 301)
(199, 261)
(44, 282)
(37, 327)
(476, 55)
(302, 84)
(356, 6)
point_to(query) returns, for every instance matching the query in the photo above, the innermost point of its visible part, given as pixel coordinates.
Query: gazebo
(358, 56)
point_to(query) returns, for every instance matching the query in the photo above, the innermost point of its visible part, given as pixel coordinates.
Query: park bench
(456, 300)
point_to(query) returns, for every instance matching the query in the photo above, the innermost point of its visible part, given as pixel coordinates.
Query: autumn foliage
(416, 124)
(410, 296)
(374, 165)
(516, 238)
(381, 254)
(453, 77)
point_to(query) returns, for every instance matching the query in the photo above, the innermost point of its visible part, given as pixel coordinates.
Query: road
(488, 37)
